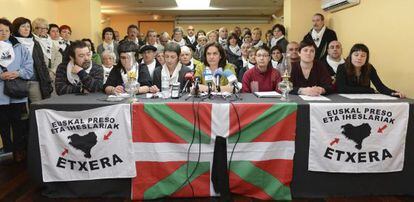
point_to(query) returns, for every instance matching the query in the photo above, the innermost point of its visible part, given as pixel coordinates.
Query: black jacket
(346, 84)
(91, 82)
(328, 36)
(115, 77)
(189, 44)
(41, 71)
(181, 79)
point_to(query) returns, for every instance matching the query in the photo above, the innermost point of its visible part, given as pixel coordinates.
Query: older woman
(186, 58)
(178, 34)
(108, 43)
(40, 85)
(212, 36)
(263, 77)
(356, 74)
(309, 76)
(108, 61)
(172, 68)
(127, 66)
(16, 62)
(214, 58)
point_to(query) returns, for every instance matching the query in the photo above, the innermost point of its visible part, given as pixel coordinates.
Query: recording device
(232, 79)
(208, 78)
(217, 75)
(189, 77)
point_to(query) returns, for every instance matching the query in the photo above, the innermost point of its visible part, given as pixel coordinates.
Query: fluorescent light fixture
(193, 4)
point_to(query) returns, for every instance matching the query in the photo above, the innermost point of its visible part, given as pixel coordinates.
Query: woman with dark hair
(233, 51)
(108, 42)
(15, 62)
(96, 58)
(214, 58)
(309, 76)
(40, 84)
(126, 69)
(277, 57)
(173, 69)
(356, 74)
(263, 77)
(279, 38)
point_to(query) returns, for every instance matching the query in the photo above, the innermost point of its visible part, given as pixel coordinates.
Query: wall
(25, 8)
(121, 22)
(298, 17)
(83, 16)
(387, 28)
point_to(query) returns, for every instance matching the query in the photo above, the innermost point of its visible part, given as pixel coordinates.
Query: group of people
(44, 55)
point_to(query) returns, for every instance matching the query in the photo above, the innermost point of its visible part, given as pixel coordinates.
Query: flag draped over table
(261, 164)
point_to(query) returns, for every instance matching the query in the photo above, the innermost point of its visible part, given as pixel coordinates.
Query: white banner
(86, 145)
(357, 137)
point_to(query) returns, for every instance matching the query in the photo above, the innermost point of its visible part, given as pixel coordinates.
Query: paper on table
(314, 98)
(267, 94)
(369, 96)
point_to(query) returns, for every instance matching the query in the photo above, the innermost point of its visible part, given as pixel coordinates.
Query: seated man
(79, 75)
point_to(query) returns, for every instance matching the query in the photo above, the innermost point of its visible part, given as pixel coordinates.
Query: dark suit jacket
(189, 44)
(327, 37)
(181, 79)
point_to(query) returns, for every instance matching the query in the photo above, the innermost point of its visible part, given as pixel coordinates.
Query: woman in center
(309, 76)
(262, 77)
(172, 68)
(214, 58)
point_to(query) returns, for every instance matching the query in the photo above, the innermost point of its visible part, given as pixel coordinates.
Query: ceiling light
(193, 4)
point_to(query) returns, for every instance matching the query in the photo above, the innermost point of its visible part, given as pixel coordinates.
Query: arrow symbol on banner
(335, 141)
(382, 128)
(66, 151)
(106, 137)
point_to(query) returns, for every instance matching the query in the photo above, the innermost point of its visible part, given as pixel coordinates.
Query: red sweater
(267, 80)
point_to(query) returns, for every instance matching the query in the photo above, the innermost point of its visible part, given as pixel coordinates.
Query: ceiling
(168, 7)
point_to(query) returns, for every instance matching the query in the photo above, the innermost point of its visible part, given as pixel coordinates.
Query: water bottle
(165, 86)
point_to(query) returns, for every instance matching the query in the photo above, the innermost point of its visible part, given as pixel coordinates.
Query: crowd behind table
(55, 64)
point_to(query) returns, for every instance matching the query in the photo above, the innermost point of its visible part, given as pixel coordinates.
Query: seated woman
(308, 76)
(214, 58)
(172, 67)
(356, 74)
(128, 65)
(263, 77)
(277, 56)
(251, 62)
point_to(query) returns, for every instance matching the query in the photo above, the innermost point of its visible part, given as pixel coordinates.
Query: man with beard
(79, 75)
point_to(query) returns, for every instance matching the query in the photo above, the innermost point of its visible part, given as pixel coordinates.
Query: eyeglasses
(42, 28)
(262, 56)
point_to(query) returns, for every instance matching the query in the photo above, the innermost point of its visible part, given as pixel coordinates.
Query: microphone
(208, 78)
(217, 74)
(189, 76)
(232, 79)
(196, 87)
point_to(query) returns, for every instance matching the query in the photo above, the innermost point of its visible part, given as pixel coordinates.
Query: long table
(305, 184)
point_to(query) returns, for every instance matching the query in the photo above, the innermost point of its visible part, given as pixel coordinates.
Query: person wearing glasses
(262, 77)
(309, 76)
(16, 62)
